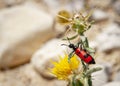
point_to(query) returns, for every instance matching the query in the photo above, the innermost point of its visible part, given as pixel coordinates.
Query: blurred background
(30, 38)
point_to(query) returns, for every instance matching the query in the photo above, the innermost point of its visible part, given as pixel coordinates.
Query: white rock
(12, 2)
(25, 75)
(56, 5)
(59, 83)
(100, 77)
(22, 76)
(22, 29)
(41, 60)
(112, 84)
(2, 4)
(116, 6)
(116, 76)
(99, 15)
(100, 3)
(109, 38)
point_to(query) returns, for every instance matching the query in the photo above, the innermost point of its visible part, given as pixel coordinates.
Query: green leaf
(89, 81)
(70, 56)
(91, 50)
(81, 30)
(77, 26)
(73, 81)
(71, 38)
(85, 66)
(79, 83)
(86, 42)
(88, 16)
(80, 42)
(92, 22)
(89, 72)
(86, 82)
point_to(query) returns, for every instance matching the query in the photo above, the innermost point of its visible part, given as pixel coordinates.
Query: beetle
(81, 53)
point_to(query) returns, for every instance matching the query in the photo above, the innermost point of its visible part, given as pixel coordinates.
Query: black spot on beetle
(86, 55)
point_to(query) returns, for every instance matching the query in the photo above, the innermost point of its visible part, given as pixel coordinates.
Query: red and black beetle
(87, 58)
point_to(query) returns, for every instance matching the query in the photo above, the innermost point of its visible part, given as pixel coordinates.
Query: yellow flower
(63, 68)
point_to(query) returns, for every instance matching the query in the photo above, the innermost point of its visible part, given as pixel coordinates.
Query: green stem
(86, 82)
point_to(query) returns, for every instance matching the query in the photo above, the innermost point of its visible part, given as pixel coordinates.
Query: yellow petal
(62, 69)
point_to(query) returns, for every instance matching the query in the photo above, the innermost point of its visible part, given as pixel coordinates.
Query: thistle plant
(73, 67)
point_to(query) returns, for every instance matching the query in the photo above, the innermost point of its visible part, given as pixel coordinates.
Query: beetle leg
(85, 50)
(70, 55)
(80, 42)
(81, 47)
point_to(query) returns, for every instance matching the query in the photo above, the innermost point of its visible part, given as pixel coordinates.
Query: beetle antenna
(64, 45)
(68, 40)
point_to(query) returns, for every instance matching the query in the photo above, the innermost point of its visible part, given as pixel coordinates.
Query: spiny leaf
(92, 22)
(71, 38)
(88, 16)
(80, 42)
(89, 72)
(78, 26)
(73, 81)
(79, 83)
(70, 55)
(91, 50)
(81, 29)
(86, 82)
(89, 81)
(86, 42)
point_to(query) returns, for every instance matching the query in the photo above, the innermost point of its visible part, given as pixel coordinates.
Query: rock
(59, 83)
(2, 4)
(100, 3)
(116, 6)
(111, 61)
(22, 29)
(22, 76)
(100, 77)
(54, 6)
(109, 39)
(51, 51)
(25, 75)
(99, 15)
(112, 84)
(108, 68)
(74, 5)
(9, 3)
(116, 76)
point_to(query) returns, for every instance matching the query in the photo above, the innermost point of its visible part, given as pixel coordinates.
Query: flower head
(62, 69)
